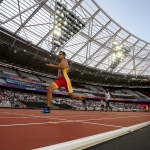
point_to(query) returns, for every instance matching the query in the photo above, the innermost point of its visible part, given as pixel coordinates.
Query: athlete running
(62, 81)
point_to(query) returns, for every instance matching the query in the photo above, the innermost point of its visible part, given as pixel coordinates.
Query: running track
(24, 129)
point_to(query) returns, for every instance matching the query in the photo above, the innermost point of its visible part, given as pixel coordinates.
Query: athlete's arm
(63, 64)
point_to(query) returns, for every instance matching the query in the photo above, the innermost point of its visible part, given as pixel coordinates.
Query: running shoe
(45, 111)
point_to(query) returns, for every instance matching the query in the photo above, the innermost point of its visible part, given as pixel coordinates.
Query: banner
(21, 79)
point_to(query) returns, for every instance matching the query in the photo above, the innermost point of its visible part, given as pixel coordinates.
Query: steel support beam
(134, 68)
(120, 43)
(23, 12)
(144, 69)
(37, 9)
(47, 8)
(130, 59)
(141, 60)
(44, 37)
(103, 46)
(90, 41)
(134, 57)
(77, 4)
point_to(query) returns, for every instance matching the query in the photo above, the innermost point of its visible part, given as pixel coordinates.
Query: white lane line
(80, 121)
(27, 124)
(77, 116)
(103, 124)
(16, 117)
(48, 117)
(114, 118)
(49, 122)
(89, 141)
(90, 123)
(57, 116)
(35, 123)
(52, 117)
(73, 116)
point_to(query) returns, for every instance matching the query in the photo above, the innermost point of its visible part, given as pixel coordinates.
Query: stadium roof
(33, 20)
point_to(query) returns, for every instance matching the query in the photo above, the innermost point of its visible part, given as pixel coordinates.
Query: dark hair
(63, 53)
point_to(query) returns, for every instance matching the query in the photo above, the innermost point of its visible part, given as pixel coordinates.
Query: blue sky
(133, 15)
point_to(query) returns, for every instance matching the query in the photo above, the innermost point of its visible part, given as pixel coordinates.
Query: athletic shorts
(64, 82)
(107, 102)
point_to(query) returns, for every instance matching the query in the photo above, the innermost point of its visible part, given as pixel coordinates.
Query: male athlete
(107, 99)
(62, 81)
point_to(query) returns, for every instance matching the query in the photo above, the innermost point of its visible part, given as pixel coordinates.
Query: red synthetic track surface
(24, 129)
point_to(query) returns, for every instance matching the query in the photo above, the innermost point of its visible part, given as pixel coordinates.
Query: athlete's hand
(68, 70)
(50, 65)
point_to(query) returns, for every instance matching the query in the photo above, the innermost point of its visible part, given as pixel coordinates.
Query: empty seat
(2, 81)
(28, 75)
(8, 71)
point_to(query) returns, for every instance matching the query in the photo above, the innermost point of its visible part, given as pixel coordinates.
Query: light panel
(66, 25)
(119, 53)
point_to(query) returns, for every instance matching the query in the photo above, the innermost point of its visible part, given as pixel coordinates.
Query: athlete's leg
(110, 108)
(107, 104)
(75, 96)
(68, 86)
(50, 90)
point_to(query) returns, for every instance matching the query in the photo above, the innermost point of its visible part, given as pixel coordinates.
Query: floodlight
(56, 32)
(56, 21)
(118, 47)
(115, 42)
(57, 11)
(62, 14)
(67, 24)
(114, 58)
(119, 54)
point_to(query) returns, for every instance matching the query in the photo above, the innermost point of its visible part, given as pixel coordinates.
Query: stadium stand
(46, 80)
(8, 71)
(2, 81)
(32, 93)
(28, 76)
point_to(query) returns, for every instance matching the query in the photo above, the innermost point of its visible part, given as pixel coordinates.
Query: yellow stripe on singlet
(67, 80)
(55, 85)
